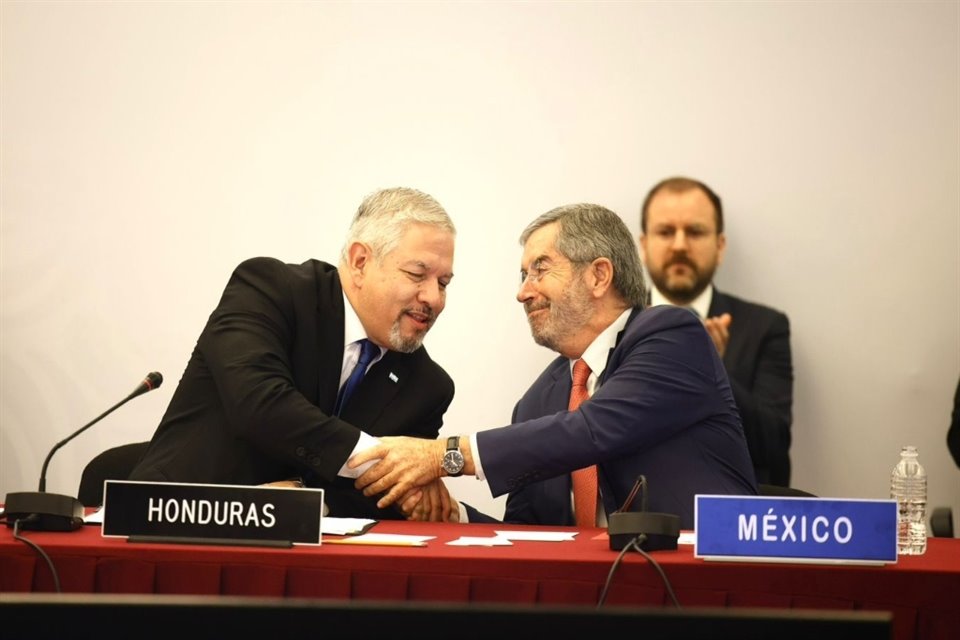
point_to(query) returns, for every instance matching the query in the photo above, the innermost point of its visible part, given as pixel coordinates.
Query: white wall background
(147, 147)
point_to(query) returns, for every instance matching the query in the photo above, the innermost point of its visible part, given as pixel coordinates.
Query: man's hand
(405, 464)
(292, 483)
(434, 505)
(719, 330)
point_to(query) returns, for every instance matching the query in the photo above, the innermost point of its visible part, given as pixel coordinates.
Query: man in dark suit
(258, 401)
(953, 431)
(683, 244)
(633, 392)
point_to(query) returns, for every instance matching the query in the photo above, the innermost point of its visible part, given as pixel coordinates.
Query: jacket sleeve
(246, 346)
(662, 384)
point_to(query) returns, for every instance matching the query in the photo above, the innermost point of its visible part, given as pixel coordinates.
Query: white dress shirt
(352, 333)
(700, 304)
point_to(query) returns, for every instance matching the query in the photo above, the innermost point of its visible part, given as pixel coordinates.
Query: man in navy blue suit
(683, 243)
(659, 401)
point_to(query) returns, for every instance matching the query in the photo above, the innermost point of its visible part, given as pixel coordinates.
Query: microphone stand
(647, 530)
(42, 511)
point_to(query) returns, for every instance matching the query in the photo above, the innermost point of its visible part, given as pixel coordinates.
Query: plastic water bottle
(908, 486)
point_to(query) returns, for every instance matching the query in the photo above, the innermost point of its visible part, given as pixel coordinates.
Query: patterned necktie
(367, 352)
(584, 480)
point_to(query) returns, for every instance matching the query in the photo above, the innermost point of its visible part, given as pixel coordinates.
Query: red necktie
(584, 480)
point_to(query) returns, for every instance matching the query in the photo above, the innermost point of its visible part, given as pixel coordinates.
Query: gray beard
(568, 314)
(401, 344)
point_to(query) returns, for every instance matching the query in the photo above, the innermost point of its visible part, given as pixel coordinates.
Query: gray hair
(384, 216)
(587, 232)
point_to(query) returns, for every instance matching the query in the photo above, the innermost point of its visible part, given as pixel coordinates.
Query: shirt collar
(353, 328)
(700, 304)
(599, 350)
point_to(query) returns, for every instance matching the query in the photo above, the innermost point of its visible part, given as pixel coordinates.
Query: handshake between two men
(635, 389)
(407, 472)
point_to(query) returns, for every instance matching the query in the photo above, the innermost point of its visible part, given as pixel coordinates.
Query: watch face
(453, 462)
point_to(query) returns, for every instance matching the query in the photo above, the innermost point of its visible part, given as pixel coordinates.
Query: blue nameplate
(796, 529)
(208, 512)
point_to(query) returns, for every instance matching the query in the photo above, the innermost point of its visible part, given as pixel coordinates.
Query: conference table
(921, 592)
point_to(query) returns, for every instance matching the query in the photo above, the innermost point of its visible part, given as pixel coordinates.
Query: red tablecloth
(923, 592)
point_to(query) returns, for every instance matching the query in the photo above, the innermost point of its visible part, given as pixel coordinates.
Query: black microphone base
(661, 530)
(54, 512)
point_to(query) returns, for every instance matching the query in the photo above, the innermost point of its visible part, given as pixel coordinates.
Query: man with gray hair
(300, 366)
(634, 392)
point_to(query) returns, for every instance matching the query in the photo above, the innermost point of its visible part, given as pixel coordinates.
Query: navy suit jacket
(760, 368)
(663, 409)
(255, 403)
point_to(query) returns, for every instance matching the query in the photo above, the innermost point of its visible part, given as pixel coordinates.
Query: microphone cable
(613, 569)
(635, 545)
(33, 545)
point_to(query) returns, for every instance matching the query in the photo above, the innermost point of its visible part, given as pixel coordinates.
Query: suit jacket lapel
(557, 396)
(719, 305)
(383, 382)
(606, 492)
(330, 323)
(611, 361)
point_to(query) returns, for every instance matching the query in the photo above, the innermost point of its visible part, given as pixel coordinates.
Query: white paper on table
(538, 536)
(345, 526)
(468, 541)
(687, 537)
(388, 539)
(94, 517)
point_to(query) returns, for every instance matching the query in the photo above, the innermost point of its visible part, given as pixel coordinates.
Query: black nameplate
(158, 510)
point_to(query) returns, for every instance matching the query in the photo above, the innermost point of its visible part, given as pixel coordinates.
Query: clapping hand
(719, 329)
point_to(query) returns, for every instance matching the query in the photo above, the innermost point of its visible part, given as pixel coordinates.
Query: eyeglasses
(536, 273)
(542, 266)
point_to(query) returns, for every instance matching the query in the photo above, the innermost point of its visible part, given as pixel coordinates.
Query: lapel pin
(393, 377)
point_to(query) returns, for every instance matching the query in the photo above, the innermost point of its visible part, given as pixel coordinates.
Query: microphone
(58, 512)
(652, 531)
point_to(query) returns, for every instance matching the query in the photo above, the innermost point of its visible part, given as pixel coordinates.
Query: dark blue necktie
(368, 351)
